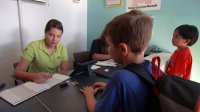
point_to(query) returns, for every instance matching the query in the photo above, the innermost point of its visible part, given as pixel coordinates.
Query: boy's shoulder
(125, 78)
(126, 74)
(183, 52)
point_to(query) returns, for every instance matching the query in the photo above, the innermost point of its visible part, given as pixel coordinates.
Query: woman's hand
(41, 77)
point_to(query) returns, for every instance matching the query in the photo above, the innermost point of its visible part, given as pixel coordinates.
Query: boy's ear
(124, 48)
(188, 41)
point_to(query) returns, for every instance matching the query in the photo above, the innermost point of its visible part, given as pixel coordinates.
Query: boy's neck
(181, 47)
(133, 58)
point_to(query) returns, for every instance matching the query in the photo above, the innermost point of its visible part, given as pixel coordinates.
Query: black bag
(172, 93)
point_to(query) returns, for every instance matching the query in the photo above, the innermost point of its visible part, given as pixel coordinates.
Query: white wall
(10, 40)
(34, 18)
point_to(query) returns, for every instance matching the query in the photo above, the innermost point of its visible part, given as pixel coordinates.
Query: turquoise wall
(172, 14)
(98, 17)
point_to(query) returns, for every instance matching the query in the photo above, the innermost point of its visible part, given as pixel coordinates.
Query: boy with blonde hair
(127, 37)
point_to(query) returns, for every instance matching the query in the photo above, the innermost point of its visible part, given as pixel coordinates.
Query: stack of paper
(109, 62)
(27, 90)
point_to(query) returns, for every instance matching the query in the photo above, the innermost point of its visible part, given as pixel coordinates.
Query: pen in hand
(51, 75)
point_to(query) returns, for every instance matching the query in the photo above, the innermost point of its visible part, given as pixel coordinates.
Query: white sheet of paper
(27, 90)
(94, 67)
(109, 62)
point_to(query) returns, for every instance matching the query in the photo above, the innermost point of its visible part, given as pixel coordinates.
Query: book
(27, 90)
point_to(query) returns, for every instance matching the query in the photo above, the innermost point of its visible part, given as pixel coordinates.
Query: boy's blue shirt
(125, 92)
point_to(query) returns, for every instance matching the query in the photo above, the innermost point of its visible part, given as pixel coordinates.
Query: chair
(17, 81)
(2, 85)
(81, 57)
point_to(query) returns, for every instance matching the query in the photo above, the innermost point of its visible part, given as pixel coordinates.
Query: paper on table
(37, 88)
(56, 78)
(94, 67)
(17, 94)
(60, 77)
(109, 62)
(27, 90)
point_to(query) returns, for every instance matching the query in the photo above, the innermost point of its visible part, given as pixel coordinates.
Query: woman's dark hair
(53, 23)
(188, 32)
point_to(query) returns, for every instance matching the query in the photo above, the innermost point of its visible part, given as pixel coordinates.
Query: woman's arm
(21, 72)
(21, 69)
(64, 66)
(95, 51)
(96, 56)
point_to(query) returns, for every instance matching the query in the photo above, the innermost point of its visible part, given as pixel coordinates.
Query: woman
(42, 58)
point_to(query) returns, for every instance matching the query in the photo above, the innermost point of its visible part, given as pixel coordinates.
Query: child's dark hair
(133, 29)
(102, 38)
(188, 32)
(53, 23)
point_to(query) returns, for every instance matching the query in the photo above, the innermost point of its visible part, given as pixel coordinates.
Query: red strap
(156, 69)
(198, 106)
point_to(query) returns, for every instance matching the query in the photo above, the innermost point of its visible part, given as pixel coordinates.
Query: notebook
(27, 90)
